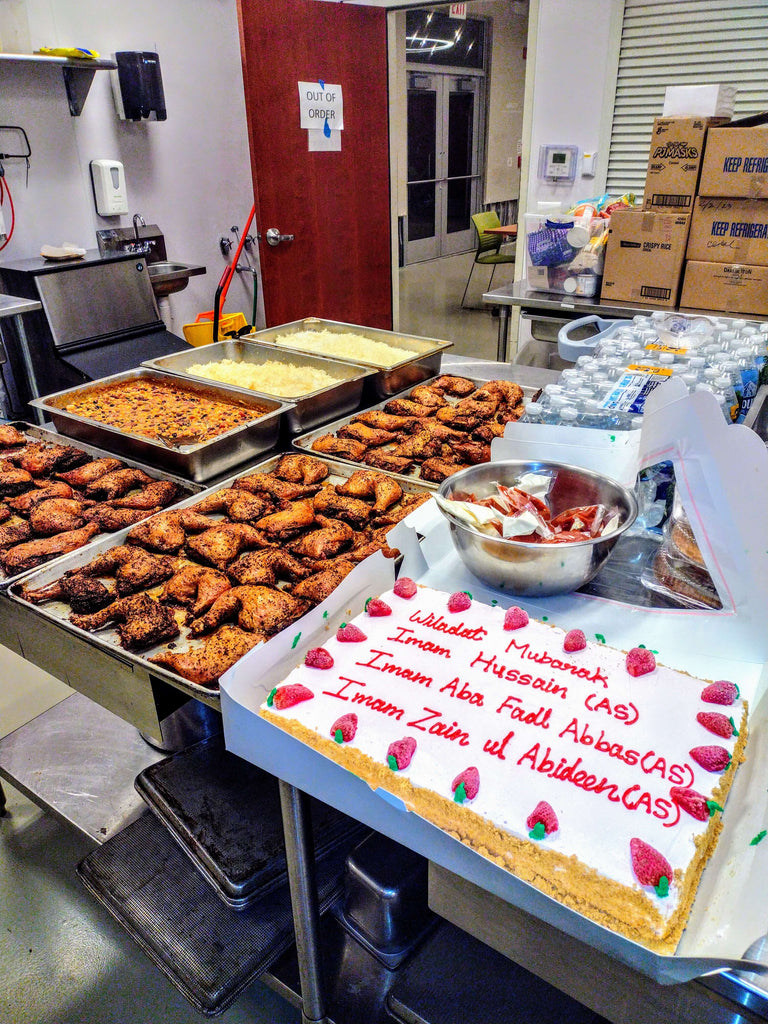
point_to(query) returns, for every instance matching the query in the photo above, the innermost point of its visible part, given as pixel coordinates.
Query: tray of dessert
(189, 591)
(399, 360)
(320, 388)
(440, 426)
(190, 427)
(58, 495)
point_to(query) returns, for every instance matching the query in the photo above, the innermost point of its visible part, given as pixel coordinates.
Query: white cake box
(728, 913)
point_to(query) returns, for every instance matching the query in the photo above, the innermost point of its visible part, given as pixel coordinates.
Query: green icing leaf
(460, 794)
(733, 726)
(538, 831)
(296, 640)
(758, 838)
(392, 762)
(662, 889)
(600, 638)
(712, 807)
(271, 697)
(338, 736)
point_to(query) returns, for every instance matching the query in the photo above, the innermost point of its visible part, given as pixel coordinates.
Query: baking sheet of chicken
(57, 495)
(189, 591)
(437, 428)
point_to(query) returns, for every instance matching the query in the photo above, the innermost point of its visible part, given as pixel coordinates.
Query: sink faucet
(137, 220)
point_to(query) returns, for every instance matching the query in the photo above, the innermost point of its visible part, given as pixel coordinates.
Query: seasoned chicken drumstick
(196, 586)
(203, 664)
(366, 483)
(260, 610)
(142, 622)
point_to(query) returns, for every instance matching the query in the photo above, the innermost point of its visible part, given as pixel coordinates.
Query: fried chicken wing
(43, 459)
(158, 493)
(260, 610)
(298, 468)
(344, 447)
(332, 536)
(387, 461)
(111, 519)
(458, 386)
(438, 469)
(141, 622)
(283, 490)
(83, 593)
(366, 483)
(205, 662)
(339, 506)
(266, 566)
(221, 544)
(116, 483)
(371, 437)
(407, 407)
(195, 587)
(27, 501)
(386, 420)
(286, 523)
(13, 480)
(10, 436)
(26, 556)
(57, 515)
(84, 475)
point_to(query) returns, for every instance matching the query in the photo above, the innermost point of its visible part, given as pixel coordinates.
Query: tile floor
(63, 960)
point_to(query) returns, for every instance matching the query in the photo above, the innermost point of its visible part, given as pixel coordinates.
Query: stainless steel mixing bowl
(537, 570)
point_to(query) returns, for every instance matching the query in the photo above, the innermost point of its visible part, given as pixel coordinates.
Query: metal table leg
(301, 874)
(2, 800)
(501, 346)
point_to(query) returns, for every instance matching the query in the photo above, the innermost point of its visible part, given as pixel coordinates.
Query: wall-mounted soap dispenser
(109, 190)
(137, 85)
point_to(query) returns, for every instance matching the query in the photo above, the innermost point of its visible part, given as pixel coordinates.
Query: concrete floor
(63, 960)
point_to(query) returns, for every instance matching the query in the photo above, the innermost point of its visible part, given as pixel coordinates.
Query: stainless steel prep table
(614, 990)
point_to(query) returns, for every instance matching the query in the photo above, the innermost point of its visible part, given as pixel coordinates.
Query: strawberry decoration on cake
(640, 661)
(405, 588)
(460, 601)
(283, 697)
(400, 753)
(717, 723)
(376, 608)
(466, 785)
(515, 618)
(574, 641)
(318, 657)
(348, 633)
(721, 692)
(697, 805)
(344, 728)
(712, 758)
(650, 867)
(542, 821)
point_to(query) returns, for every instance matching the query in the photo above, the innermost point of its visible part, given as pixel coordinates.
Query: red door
(335, 204)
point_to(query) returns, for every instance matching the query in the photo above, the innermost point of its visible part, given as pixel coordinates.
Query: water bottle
(551, 411)
(569, 414)
(724, 409)
(726, 394)
(534, 413)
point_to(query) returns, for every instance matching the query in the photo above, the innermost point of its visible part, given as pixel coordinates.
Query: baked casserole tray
(421, 356)
(199, 462)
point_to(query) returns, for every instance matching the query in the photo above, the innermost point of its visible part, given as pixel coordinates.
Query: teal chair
(488, 247)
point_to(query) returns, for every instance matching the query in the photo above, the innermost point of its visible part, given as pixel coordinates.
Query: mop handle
(238, 251)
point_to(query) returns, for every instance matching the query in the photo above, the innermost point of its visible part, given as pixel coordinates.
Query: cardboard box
(699, 101)
(736, 163)
(644, 258)
(725, 287)
(729, 231)
(674, 162)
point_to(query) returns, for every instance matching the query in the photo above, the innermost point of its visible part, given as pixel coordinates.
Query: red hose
(4, 190)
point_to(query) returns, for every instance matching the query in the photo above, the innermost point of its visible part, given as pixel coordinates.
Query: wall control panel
(558, 163)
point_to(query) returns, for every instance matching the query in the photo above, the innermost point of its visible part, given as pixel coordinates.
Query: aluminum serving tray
(304, 443)
(194, 461)
(388, 380)
(309, 410)
(107, 639)
(50, 437)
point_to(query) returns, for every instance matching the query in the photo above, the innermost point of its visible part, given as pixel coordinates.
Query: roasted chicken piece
(13, 480)
(266, 567)
(407, 407)
(84, 475)
(116, 483)
(326, 542)
(458, 421)
(425, 394)
(157, 494)
(286, 523)
(471, 451)
(111, 519)
(167, 531)
(141, 622)
(5, 512)
(366, 483)
(386, 461)
(241, 506)
(10, 436)
(487, 431)
(386, 420)
(204, 663)
(195, 587)
(14, 534)
(387, 520)
(459, 386)
(221, 544)
(298, 468)
(27, 501)
(83, 593)
(508, 392)
(438, 469)
(483, 404)
(419, 446)
(440, 431)
(57, 515)
(133, 568)
(371, 437)
(283, 490)
(317, 587)
(339, 506)
(260, 610)
(344, 447)
(26, 556)
(45, 459)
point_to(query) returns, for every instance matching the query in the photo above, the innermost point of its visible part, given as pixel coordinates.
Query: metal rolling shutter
(681, 42)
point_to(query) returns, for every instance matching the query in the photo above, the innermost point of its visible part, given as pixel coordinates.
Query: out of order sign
(321, 103)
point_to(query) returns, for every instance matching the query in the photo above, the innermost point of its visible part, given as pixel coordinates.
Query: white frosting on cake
(516, 706)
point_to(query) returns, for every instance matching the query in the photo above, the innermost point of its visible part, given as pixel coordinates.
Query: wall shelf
(78, 74)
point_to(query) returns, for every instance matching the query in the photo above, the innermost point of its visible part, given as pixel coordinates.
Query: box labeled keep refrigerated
(644, 256)
(674, 162)
(726, 287)
(725, 230)
(736, 162)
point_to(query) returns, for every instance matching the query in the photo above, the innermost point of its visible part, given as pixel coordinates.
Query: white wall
(189, 174)
(505, 98)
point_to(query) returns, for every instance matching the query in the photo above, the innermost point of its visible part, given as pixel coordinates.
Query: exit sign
(457, 11)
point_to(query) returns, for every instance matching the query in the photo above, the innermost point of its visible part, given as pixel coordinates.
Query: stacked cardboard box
(727, 255)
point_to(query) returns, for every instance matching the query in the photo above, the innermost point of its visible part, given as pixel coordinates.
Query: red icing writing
(440, 728)
(518, 713)
(438, 623)
(581, 734)
(357, 697)
(514, 675)
(626, 713)
(464, 693)
(377, 661)
(408, 636)
(674, 773)
(496, 747)
(545, 658)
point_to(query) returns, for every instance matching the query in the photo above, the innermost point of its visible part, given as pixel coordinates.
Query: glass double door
(444, 114)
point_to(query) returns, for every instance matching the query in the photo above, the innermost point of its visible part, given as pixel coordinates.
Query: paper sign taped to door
(321, 104)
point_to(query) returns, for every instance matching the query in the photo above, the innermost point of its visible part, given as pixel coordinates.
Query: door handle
(275, 238)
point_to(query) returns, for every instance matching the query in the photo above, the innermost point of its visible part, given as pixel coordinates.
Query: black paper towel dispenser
(138, 86)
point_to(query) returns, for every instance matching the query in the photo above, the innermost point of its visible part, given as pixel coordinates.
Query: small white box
(699, 101)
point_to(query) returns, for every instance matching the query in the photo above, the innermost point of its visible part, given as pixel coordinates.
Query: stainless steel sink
(169, 276)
